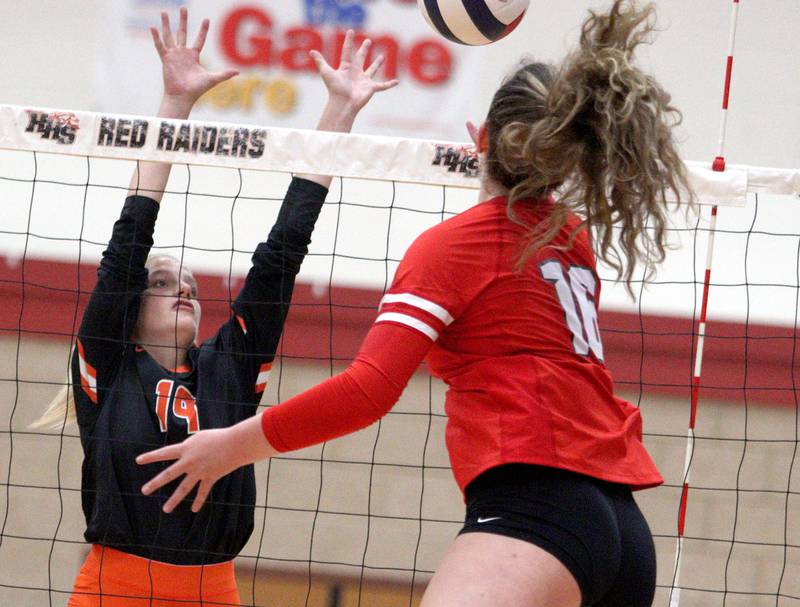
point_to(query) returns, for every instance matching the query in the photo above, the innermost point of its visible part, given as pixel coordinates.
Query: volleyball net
(366, 518)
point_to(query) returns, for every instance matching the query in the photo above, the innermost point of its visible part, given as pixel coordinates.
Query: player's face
(169, 313)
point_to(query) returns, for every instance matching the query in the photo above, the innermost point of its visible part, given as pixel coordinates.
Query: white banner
(268, 42)
(305, 151)
(127, 137)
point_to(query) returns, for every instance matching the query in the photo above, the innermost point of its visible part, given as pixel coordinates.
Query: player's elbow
(376, 392)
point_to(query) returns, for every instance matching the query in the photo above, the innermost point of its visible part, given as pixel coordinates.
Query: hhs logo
(460, 159)
(58, 126)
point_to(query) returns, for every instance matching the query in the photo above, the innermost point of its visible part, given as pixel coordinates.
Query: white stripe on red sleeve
(409, 321)
(418, 302)
(263, 377)
(88, 375)
(421, 314)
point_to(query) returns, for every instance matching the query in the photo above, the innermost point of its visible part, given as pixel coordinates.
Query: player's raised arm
(262, 305)
(350, 87)
(111, 313)
(185, 81)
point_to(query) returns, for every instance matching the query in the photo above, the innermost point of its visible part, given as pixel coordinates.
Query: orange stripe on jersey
(240, 320)
(263, 377)
(88, 375)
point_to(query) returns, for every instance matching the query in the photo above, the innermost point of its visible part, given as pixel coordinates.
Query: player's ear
(482, 144)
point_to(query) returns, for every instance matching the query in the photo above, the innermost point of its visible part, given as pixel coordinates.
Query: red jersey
(520, 350)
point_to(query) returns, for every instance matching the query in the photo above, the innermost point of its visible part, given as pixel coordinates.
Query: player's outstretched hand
(184, 78)
(203, 458)
(353, 83)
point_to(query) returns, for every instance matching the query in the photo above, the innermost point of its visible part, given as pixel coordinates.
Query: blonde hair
(61, 410)
(60, 413)
(597, 134)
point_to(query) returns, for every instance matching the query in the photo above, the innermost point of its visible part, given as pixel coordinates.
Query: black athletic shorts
(593, 527)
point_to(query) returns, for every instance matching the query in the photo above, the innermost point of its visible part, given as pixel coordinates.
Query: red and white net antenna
(719, 166)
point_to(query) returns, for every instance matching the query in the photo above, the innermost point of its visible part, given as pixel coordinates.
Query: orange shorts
(111, 578)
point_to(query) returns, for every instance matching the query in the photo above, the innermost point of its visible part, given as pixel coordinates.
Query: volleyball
(473, 22)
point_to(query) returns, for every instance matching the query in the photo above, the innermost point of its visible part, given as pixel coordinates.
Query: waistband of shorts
(526, 477)
(136, 572)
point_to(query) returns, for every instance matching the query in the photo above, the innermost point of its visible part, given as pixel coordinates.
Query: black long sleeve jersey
(127, 403)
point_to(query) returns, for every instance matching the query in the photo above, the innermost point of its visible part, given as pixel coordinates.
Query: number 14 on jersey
(183, 404)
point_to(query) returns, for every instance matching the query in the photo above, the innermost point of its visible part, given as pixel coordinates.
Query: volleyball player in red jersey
(502, 300)
(140, 379)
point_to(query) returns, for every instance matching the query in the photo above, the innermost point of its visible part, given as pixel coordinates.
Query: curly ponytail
(596, 133)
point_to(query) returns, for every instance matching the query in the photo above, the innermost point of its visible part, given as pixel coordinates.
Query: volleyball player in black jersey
(140, 380)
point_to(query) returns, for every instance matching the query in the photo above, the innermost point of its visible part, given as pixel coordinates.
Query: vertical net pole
(719, 166)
